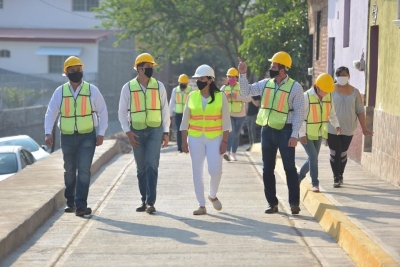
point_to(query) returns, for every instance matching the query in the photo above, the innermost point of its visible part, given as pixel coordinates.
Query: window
(5, 53)
(84, 5)
(397, 20)
(331, 58)
(1, 4)
(56, 64)
(346, 24)
(318, 48)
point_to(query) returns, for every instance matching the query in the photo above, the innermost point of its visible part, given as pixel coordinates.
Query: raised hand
(242, 67)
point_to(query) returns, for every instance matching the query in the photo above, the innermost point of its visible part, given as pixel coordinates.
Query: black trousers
(338, 145)
(178, 121)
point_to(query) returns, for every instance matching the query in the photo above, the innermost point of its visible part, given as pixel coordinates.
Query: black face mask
(201, 84)
(182, 86)
(148, 72)
(273, 73)
(75, 77)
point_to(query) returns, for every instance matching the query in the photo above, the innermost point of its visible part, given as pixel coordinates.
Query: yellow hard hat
(145, 57)
(282, 58)
(183, 78)
(325, 82)
(72, 61)
(232, 72)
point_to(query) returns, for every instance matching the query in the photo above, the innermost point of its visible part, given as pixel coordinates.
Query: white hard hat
(204, 70)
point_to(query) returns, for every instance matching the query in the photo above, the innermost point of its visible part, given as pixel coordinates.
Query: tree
(277, 26)
(177, 29)
(14, 97)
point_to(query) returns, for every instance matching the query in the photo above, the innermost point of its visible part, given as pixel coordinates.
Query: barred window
(56, 64)
(5, 53)
(84, 5)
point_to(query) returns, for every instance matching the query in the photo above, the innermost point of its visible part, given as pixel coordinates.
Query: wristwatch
(166, 133)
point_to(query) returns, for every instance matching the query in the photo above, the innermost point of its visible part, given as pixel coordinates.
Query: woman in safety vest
(237, 110)
(206, 120)
(318, 111)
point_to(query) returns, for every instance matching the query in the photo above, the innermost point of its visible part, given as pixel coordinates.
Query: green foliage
(14, 97)
(281, 26)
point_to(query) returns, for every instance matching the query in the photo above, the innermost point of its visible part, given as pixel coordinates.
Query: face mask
(343, 80)
(75, 77)
(273, 73)
(232, 81)
(201, 84)
(182, 86)
(148, 72)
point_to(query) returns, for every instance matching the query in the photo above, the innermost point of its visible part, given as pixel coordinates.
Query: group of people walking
(209, 121)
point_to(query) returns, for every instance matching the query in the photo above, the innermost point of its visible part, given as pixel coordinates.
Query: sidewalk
(371, 205)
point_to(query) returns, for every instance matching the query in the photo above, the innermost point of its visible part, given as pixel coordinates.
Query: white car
(26, 142)
(13, 159)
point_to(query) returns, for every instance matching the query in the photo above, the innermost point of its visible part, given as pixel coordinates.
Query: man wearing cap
(82, 109)
(281, 115)
(177, 102)
(144, 116)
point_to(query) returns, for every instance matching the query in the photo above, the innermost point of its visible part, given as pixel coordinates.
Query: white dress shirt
(99, 108)
(172, 101)
(296, 99)
(124, 106)
(332, 115)
(226, 119)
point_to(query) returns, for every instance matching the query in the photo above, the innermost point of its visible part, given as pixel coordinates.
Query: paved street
(240, 235)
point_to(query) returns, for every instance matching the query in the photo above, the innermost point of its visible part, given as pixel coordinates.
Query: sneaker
(83, 211)
(227, 157)
(216, 203)
(233, 157)
(200, 211)
(69, 209)
(341, 179)
(272, 209)
(336, 182)
(141, 208)
(150, 209)
(315, 189)
(295, 209)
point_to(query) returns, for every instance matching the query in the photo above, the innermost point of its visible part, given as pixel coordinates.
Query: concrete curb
(355, 242)
(28, 201)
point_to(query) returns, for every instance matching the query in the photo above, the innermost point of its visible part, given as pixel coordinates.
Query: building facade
(382, 93)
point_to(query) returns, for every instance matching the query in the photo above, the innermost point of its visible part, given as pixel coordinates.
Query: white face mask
(343, 80)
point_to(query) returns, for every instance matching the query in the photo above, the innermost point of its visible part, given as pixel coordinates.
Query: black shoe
(83, 211)
(295, 209)
(141, 208)
(150, 209)
(272, 209)
(249, 148)
(341, 179)
(336, 181)
(69, 209)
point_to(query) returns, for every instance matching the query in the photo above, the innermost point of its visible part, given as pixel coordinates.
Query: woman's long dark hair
(213, 89)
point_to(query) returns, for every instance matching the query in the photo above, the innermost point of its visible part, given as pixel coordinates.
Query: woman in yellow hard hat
(206, 121)
(237, 109)
(177, 102)
(318, 110)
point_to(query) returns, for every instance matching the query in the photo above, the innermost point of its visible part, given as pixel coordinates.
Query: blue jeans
(147, 157)
(233, 138)
(178, 121)
(251, 127)
(312, 148)
(271, 140)
(78, 151)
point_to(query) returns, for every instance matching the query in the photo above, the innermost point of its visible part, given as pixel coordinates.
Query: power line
(53, 6)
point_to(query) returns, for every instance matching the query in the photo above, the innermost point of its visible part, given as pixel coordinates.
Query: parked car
(13, 159)
(39, 152)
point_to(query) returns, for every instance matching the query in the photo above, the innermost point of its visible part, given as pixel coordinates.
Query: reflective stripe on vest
(145, 108)
(76, 114)
(318, 116)
(208, 121)
(179, 100)
(235, 105)
(274, 109)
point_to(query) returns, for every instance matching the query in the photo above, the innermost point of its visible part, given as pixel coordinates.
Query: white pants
(201, 148)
